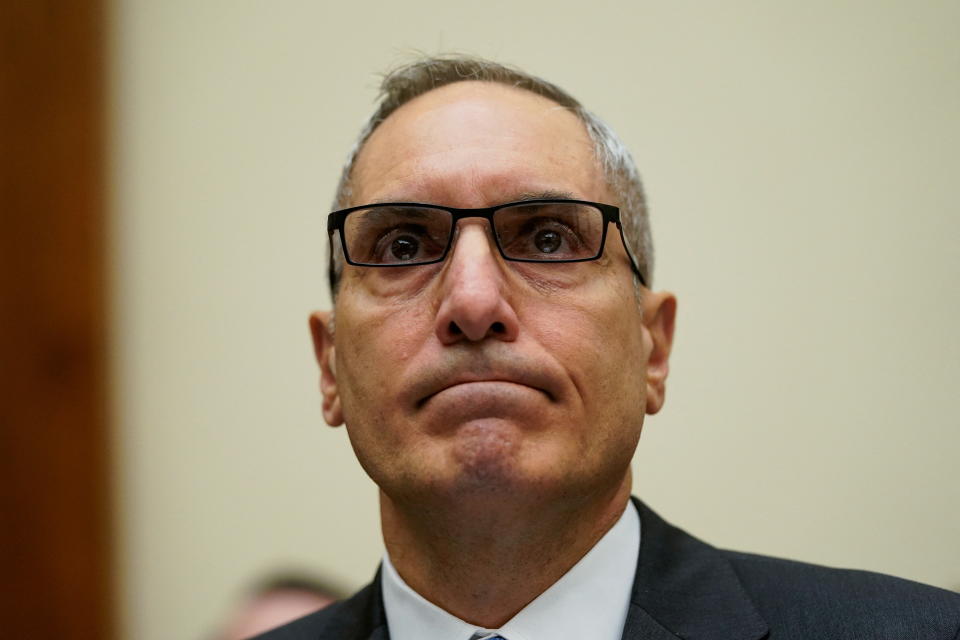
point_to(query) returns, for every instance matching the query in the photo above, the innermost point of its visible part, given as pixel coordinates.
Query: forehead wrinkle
(478, 184)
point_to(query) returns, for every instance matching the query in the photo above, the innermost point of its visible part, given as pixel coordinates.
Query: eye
(547, 240)
(405, 247)
(407, 243)
(397, 234)
(546, 231)
(404, 243)
(541, 238)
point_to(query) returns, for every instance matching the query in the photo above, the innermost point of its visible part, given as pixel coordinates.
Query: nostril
(497, 327)
(455, 330)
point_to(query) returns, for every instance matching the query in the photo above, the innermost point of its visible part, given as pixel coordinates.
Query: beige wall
(801, 161)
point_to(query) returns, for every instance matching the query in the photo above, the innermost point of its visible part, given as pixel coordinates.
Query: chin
(486, 439)
(493, 458)
(487, 465)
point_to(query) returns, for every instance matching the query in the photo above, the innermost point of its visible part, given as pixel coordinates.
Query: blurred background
(167, 168)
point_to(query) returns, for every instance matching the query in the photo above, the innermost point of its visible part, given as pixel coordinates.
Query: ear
(321, 328)
(659, 313)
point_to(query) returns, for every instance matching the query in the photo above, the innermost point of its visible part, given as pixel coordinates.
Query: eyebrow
(546, 194)
(549, 194)
(382, 213)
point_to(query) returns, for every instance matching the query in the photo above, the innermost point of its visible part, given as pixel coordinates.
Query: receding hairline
(482, 86)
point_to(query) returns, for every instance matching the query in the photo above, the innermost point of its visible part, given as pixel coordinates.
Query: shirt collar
(589, 601)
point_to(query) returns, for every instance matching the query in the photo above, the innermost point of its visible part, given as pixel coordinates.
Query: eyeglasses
(406, 234)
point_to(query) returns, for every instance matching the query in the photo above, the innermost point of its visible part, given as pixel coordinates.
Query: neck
(484, 562)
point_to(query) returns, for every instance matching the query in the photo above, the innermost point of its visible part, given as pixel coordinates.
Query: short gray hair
(407, 82)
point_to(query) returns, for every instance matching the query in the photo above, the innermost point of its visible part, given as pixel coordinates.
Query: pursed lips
(541, 383)
(481, 381)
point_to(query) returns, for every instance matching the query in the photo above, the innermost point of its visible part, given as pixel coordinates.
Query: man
(494, 350)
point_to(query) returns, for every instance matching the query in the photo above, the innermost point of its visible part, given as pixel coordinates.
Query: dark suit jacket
(687, 589)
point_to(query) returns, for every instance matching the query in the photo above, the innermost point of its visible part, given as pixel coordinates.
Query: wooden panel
(54, 436)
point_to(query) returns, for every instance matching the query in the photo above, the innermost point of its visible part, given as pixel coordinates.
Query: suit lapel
(380, 633)
(376, 613)
(685, 588)
(641, 626)
(361, 617)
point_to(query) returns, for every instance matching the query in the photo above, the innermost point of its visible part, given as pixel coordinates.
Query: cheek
(581, 325)
(402, 287)
(600, 344)
(372, 350)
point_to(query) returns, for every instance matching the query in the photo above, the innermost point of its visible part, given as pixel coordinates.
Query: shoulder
(694, 590)
(813, 600)
(358, 617)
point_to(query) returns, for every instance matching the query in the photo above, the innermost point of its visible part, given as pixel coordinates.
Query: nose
(473, 305)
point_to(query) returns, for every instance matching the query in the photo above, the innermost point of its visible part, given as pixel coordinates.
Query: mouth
(483, 381)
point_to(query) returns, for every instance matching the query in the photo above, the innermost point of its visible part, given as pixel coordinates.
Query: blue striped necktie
(480, 635)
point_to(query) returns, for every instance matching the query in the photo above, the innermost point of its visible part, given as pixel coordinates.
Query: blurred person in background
(275, 601)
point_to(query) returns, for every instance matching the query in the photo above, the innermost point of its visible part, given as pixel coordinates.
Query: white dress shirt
(590, 601)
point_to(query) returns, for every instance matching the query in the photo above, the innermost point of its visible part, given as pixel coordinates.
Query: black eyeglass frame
(337, 219)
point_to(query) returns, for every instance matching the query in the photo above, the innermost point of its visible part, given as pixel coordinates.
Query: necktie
(486, 635)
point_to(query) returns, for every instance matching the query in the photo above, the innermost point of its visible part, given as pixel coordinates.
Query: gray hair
(417, 78)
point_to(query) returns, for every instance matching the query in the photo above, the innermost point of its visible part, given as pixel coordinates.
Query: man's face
(476, 375)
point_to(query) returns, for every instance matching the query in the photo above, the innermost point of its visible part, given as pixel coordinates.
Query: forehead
(477, 142)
